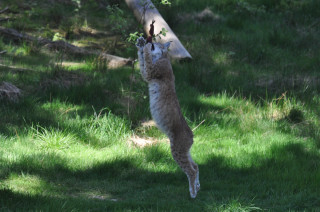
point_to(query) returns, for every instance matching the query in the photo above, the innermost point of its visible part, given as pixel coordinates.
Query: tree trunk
(145, 15)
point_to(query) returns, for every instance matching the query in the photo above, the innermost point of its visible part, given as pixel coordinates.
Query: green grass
(251, 94)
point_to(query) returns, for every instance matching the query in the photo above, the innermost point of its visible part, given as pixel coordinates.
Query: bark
(145, 15)
(112, 61)
(4, 10)
(9, 92)
(4, 19)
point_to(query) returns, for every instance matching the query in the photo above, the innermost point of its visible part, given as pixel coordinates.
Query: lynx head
(159, 51)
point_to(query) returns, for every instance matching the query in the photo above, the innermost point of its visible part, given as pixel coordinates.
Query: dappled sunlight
(222, 58)
(29, 184)
(232, 204)
(34, 185)
(227, 103)
(62, 107)
(248, 151)
(283, 163)
(230, 113)
(81, 137)
(158, 158)
(142, 142)
(95, 177)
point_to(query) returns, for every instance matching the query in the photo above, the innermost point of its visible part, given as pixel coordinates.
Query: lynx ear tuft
(167, 45)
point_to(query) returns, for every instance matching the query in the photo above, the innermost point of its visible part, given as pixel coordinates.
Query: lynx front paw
(147, 47)
(141, 42)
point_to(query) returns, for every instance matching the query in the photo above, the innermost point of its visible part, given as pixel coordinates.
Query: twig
(4, 19)
(283, 95)
(4, 10)
(14, 67)
(67, 111)
(198, 125)
(316, 22)
(17, 134)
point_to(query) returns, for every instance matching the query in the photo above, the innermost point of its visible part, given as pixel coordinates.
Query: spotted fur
(156, 70)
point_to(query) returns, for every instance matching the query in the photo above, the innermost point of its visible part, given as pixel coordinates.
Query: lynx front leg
(140, 45)
(141, 63)
(148, 65)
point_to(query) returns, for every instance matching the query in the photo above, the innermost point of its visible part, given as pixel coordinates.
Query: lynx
(156, 70)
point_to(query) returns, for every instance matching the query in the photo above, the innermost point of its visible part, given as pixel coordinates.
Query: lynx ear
(167, 45)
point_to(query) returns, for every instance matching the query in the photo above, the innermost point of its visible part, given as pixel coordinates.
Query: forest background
(77, 135)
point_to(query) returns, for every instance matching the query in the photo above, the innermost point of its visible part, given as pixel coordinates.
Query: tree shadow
(119, 181)
(305, 130)
(286, 181)
(39, 104)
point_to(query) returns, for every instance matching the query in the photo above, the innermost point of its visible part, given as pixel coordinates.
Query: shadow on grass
(288, 180)
(52, 105)
(104, 184)
(304, 129)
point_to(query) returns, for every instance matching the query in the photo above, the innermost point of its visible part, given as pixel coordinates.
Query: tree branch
(4, 10)
(112, 61)
(145, 14)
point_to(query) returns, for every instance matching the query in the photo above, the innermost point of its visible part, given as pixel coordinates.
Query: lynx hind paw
(197, 182)
(198, 187)
(141, 42)
(193, 194)
(193, 188)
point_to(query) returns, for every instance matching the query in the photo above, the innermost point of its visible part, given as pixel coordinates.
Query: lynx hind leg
(195, 166)
(184, 160)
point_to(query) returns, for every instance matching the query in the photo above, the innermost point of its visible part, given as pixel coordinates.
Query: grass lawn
(251, 94)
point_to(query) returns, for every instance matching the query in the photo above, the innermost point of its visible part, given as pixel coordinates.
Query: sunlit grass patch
(107, 128)
(222, 58)
(25, 183)
(233, 205)
(53, 140)
(63, 108)
(99, 130)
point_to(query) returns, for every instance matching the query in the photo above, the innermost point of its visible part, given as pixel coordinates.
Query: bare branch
(112, 61)
(4, 10)
(4, 19)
